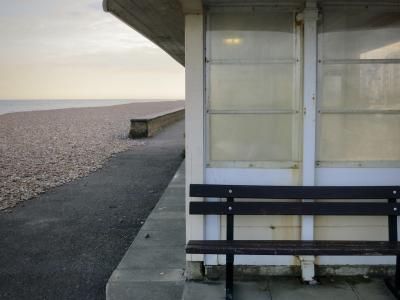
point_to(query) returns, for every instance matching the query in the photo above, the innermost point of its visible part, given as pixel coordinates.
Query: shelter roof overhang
(163, 21)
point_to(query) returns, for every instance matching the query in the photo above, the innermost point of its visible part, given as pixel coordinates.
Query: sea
(10, 106)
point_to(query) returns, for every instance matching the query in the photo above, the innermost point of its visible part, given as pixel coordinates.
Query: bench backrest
(391, 193)
(294, 192)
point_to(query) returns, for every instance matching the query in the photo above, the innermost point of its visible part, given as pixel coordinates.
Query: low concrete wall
(151, 124)
(195, 271)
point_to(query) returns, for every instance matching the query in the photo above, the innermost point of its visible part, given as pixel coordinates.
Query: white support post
(310, 16)
(194, 124)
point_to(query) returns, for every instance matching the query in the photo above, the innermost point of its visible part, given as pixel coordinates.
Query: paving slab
(165, 206)
(143, 256)
(161, 238)
(216, 290)
(147, 275)
(372, 290)
(167, 214)
(144, 290)
(291, 288)
(167, 224)
(171, 200)
(153, 266)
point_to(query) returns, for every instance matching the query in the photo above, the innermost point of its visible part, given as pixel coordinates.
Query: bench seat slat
(295, 208)
(294, 192)
(286, 247)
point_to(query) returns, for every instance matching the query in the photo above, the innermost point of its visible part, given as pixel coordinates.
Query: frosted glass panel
(359, 137)
(251, 73)
(258, 36)
(361, 34)
(361, 86)
(251, 137)
(267, 86)
(358, 99)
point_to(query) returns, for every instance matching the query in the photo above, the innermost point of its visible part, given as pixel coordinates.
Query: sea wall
(148, 126)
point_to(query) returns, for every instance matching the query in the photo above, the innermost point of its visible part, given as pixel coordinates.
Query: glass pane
(252, 86)
(252, 137)
(359, 137)
(254, 36)
(361, 86)
(361, 34)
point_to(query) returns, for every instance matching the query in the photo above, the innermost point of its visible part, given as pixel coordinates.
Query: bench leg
(394, 283)
(229, 257)
(397, 275)
(229, 277)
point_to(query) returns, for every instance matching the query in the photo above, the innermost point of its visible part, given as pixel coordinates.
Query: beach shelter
(284, 93)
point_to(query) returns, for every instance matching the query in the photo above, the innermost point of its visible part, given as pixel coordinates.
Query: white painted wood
(212, 223)
(285, 228)
(358, 176)
(309, 98)
(352, 173)
(194, 124)
(363, 177)
(309, 175)
(310, 16)
(252, 176)
(256, 173)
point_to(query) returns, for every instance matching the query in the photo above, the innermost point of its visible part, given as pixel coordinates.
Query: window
(252, 87)
(359, 86)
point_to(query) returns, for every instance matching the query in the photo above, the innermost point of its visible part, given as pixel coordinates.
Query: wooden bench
(231, 247)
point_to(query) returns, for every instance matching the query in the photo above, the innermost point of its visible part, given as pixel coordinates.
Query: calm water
(9, 106)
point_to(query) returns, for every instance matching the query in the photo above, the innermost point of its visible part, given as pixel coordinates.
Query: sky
(72, 49)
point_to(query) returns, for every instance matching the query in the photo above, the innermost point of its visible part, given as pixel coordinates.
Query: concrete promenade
(66, 243)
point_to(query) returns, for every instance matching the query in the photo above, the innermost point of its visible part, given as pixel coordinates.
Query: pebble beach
(44, 149)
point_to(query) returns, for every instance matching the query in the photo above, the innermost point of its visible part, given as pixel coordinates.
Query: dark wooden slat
(294, 192)
(295, 208)
(252, 247)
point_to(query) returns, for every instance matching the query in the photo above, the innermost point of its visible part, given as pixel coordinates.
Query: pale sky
(71, 49)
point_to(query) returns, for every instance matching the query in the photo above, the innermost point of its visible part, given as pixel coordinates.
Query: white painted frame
(355, 172)
(382, 7)
(297, 138)
(194, 122)
(310, 19)
(324, 174)
(255, 172)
